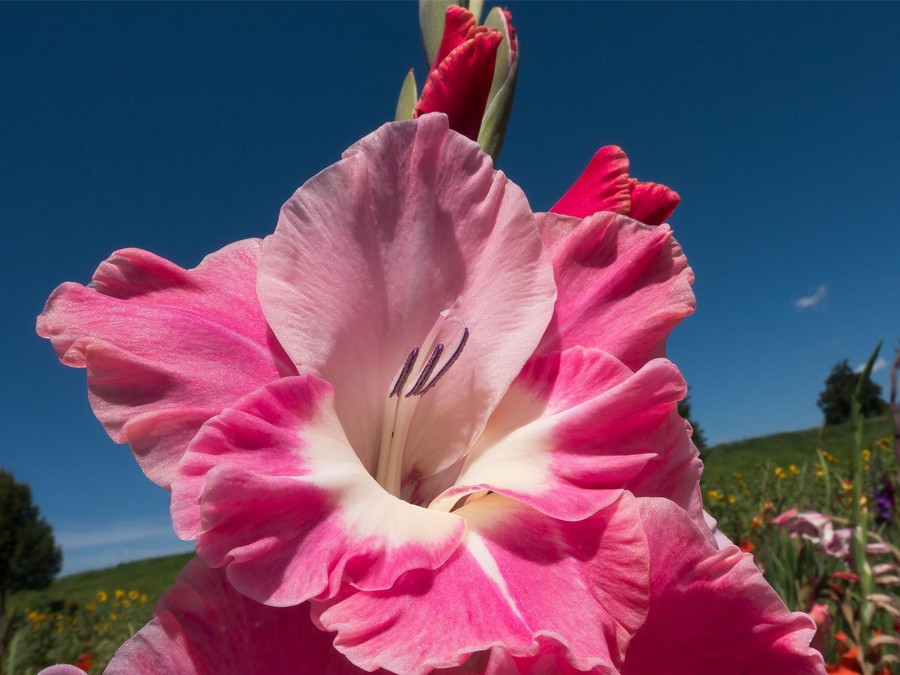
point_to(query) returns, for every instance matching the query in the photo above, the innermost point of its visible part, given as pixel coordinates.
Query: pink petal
(652, 203)
(522, 582)
(279, 498)
(61, 669)
(603, 186)
(370, 251)
(711, 611)
(622, 285)
(165, 348)
(202, 626)
(573, 431)
(460, 83)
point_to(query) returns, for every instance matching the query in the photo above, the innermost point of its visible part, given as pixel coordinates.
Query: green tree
(684, 409)
(835, 399)
(29, 556)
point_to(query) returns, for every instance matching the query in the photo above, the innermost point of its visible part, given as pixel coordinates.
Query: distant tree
(684, 409)
(29, 556)
(835, 399)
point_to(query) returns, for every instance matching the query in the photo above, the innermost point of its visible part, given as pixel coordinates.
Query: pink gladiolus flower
(441, 427)
(460, 78)
(606, 186)
(817, 528)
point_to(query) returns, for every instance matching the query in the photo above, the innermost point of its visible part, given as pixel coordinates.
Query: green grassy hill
(784, 449)
(151, 576)
(154, 575)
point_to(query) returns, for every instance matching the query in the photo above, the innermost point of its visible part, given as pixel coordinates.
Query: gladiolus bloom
(426, 424)
(606, 186)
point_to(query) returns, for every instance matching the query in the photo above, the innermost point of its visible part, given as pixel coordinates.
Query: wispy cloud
(808, 301)
(880, 364)
(112, 533)
(101, 544)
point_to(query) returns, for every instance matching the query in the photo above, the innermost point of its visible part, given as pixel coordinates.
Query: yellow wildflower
(119, 594)
(794, 469)
(89, 607)
(866, 454)
(102, 596)
(143, 598)
(133, 594)
(126, 603)
(756, 522)
(113, 616)
(714, 494)
(820, 473)
(731, 499)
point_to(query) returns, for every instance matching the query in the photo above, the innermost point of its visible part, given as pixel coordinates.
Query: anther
(426, 370)
(404, 372)
(450, 362)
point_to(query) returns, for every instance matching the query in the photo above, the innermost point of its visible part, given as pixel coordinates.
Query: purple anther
(426, 370)
(404, 372)
(450, 362)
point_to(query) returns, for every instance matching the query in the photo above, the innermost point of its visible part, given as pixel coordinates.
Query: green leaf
(476, 7)
(431, 23)
(407, 99)
(503, 89)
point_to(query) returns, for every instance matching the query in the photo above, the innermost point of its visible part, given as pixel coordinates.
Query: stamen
(426, 370)
(404, 372)
(450, 362)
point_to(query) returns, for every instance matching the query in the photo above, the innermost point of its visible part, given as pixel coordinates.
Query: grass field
(792, 447)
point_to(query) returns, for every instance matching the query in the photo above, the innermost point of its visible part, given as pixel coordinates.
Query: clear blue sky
(181, 127)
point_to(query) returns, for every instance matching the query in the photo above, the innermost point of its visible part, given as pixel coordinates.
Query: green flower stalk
(859, 510)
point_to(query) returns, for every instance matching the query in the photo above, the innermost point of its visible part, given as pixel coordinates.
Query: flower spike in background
(472, 72)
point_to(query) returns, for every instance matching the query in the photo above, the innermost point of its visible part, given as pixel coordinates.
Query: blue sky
(181, 127)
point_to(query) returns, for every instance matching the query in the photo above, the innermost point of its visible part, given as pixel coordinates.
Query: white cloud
(808, 301)
(97, 545)
(880, 364)
(112, 533)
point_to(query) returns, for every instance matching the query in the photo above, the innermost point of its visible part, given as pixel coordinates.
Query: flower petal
(413, 220)
(202, 626)
(279, 498)
(652, 203)
(573, 430)
(459, 85)
(711, 611)
(459, 23)
(506, 588)
(602, 186)
(622, 285)
(165, 348)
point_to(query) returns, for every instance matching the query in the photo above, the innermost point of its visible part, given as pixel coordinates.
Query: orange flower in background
(85, 661)
(746, 545)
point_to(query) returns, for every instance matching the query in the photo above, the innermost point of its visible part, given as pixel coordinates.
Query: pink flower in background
(606, 186)
(817, 528)
(426, 426)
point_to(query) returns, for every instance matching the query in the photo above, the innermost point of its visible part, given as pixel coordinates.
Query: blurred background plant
(823, 532)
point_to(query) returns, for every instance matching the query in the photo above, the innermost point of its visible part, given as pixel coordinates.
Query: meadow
(82, 618)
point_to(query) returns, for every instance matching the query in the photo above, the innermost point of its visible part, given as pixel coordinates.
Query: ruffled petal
(522, 582)
(622, 286)
(711, 611)
(652, 203)
(165, 348)
(368, 253)
(202, 626)
(459, 84)
(276, 495)
(572, 431)
(459, 23)
(602, 186)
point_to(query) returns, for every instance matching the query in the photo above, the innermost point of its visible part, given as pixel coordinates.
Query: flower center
(423, 368)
